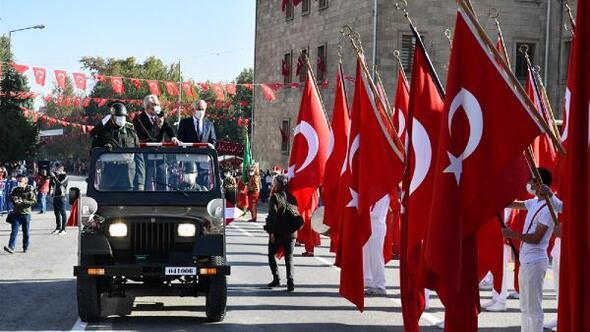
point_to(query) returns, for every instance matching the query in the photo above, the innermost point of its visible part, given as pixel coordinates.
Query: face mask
(120, 120)
(189, 178)
(199, 115)
(157, 109)
(22, 184)
(530, 190)
(251, 173)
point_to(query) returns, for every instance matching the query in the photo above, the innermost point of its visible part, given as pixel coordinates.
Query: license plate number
(180, 271)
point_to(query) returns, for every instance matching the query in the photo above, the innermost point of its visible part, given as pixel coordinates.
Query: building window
(301, 70)
(521, 69)
(305, 7)
(285, 135)
(323, 4)
(406, 53)
(286, 68)
(321, 63)
(289, 10)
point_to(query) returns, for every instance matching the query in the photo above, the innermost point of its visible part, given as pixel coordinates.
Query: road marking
(432, 319)
(241, 230)
(79, 325)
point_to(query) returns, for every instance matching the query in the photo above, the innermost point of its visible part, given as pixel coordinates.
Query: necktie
(198, 129)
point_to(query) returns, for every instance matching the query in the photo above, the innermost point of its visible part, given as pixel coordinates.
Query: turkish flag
(79, 80)
(99, 77)
(284, 68)
(218, 90)
(354, 231)
(171, 88)
(136, 82)
(574, 291)
(231, 89)
(117, 83)
(39, 75)
(309, 154)
(19, 68)
(336, 159)
(188, 88)
(154, 87)
(401, 105)
(60, 77)
(424, 114)
(474, 177)
(268, 93)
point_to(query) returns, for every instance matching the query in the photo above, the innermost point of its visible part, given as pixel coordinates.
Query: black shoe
(274, 283)
(25, 250)
(8, 250)
(290, 287)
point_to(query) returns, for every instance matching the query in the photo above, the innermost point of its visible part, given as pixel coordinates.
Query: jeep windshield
(154, 172)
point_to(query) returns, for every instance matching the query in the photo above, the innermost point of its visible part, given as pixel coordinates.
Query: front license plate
(181, 271)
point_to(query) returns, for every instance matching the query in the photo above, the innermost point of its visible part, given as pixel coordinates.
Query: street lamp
(39, 26)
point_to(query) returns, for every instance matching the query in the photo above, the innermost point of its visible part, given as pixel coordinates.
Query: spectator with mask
(59, 186)
(23, 199)
(43, 183)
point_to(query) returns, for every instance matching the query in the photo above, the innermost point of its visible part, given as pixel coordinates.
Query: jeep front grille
(152, 239)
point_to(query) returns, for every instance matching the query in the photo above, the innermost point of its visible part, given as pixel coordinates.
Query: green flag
(247, 160)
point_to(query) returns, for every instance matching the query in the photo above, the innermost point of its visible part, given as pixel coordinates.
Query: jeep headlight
(186, 230)
(118, 229)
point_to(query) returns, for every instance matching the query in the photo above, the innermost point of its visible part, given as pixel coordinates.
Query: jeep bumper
(135, 271)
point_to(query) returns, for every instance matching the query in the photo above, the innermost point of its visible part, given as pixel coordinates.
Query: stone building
(314, 25)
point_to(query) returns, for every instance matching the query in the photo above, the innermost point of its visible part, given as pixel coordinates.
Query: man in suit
(151, 125)
(197, 129)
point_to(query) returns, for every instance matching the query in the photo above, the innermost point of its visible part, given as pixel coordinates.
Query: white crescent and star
(313, 146)
(423, 154)
(354, 147)
(568, 100)
(472, 109)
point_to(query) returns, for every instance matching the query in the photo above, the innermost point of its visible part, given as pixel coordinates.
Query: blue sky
(213, 39)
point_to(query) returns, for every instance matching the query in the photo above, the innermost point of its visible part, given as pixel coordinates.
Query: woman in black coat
(281, 236)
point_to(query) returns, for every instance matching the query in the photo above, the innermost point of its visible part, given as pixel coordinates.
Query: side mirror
(73, 195)
(215, 208)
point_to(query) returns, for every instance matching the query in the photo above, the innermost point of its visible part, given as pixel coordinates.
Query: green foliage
(19, 136)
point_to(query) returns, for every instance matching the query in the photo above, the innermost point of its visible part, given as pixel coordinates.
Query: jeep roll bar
(171, 145)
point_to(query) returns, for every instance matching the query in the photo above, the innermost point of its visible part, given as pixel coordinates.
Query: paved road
(37, 292)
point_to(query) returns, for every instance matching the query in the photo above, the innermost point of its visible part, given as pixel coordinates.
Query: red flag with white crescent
(336, 159)
(117, 83)
(188, 88)
(154, 87)
(474, 177)
(39, 75)
(60, 78)
(422, 123)
(171, 88)
(79, 80)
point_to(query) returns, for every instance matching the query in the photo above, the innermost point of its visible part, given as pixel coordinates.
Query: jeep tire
(88, 298)
(216, 298)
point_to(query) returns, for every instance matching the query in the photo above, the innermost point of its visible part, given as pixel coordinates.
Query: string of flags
(157, 87)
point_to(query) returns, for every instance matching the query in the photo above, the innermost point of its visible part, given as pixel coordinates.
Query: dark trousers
(156, 177)
(289, 246)
(59, 208)
(19, 220)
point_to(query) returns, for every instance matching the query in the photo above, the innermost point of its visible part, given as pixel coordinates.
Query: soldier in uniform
(121, 171)
(188, 181)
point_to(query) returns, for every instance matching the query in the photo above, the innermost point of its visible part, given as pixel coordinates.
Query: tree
(19, 135)
(151, 69)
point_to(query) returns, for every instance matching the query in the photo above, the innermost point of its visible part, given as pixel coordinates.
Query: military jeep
(152, 219)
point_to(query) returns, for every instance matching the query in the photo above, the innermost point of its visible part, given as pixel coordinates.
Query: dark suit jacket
(188, 133)
(148, 132)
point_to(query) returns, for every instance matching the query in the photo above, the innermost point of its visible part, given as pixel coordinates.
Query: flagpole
(380, 83)
(494, 13)
(401, 66)
(529, 157)
(449, 36)
(357, 46)
(466, 6)
(402, 6)
(571, 17)
(315, 84)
